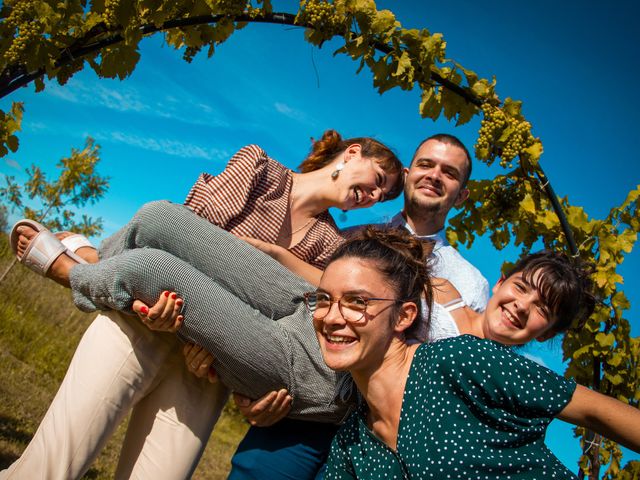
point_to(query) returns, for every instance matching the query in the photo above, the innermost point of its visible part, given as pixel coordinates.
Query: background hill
(39, 330)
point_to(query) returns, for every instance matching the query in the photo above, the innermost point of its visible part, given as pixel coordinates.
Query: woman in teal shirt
(459, 408)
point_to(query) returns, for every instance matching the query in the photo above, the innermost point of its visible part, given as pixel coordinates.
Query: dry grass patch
(39, 331)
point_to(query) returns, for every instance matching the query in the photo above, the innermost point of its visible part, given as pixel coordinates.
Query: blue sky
(573, 63)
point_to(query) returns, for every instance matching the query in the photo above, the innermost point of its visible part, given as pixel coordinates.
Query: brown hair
(325, 150)
(400, 257)
(563, 284)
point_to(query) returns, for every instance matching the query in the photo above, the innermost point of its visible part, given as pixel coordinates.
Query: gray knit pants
(239, 303)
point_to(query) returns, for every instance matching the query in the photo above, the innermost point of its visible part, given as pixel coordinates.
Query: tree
(77, 185)
(4, 213)
(105, 34)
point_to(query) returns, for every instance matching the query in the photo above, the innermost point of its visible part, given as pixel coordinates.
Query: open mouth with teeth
(357, 193)
(511, 320)
(338, 340)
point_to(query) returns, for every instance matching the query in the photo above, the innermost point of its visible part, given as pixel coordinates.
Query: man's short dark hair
(450, 140)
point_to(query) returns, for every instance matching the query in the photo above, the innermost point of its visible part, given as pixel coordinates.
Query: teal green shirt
(472, 409)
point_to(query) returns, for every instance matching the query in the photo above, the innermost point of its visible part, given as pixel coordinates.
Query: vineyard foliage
(50, 39)
(53, 202)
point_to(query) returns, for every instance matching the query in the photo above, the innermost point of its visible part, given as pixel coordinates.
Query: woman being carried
(462, 407)
(233, 286)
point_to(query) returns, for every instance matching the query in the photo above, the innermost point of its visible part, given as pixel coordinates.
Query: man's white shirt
(447, 263)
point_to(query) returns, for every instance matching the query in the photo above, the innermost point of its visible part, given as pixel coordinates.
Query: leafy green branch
(518, 206)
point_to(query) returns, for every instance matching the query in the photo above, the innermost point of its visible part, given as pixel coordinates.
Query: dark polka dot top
(472, 409)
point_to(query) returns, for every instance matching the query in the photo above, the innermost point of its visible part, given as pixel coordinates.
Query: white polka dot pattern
(472, 408)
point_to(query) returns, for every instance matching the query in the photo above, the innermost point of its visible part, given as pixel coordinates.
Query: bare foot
(24, 239)
(89, 254)
(59, 270)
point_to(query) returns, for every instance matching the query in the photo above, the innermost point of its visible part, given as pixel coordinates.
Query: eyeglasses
(352, 307)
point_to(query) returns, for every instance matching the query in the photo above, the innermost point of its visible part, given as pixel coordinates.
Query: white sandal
(43, 250)
(75, 241)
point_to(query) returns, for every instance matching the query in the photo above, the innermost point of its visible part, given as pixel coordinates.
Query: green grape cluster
(20, 11)
(230, 7)
(190, 53)
(493, 123)
(505, 197)
(519, 140)
(26, 27)
(253, 12)
(490, 143)
(110, 16)
(321, 15)
(4, 130)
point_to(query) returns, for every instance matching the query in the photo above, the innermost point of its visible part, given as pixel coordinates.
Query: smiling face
(362, 182)
(434, 181)
(360, 347)
(516, 313)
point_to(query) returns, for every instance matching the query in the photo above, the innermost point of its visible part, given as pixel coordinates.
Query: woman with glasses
(458, 408)
(236, 292)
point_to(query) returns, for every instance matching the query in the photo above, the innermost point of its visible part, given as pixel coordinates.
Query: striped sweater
(251, 197)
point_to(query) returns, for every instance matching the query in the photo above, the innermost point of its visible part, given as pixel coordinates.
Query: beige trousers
(118, 367)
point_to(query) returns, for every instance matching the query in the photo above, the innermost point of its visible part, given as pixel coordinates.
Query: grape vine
(41, 39)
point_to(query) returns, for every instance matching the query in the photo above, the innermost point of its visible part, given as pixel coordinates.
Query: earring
(343, 216)
(337, 171)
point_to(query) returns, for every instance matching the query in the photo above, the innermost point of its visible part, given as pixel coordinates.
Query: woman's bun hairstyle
(400, 257)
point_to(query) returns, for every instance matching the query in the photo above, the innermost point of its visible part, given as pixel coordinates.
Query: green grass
(39, 331)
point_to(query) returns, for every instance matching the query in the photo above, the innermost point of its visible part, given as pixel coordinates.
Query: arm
(605, 415)
(301, 268)
(223, 197)
(444, 291)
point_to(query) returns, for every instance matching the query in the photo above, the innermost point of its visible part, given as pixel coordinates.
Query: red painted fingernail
(166, 294)
(174, 296)
(179, 301)
(144, 310)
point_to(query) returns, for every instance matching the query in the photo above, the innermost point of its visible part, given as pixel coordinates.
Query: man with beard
(435, 182)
